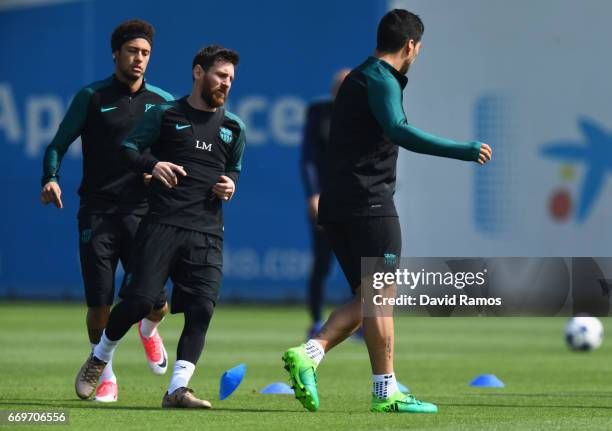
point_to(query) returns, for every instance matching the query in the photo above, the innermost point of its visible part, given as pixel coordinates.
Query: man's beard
(213, 98)
(405, 67)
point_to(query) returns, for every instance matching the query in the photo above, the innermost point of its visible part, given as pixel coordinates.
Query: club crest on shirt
(86, 235)
(390, 259)
(226, 135)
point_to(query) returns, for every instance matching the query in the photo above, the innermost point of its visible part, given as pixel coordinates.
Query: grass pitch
(547, 387)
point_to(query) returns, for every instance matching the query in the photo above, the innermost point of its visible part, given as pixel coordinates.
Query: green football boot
(402, 403)
(302, 372)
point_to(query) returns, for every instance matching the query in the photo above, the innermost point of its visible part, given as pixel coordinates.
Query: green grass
(547, 387)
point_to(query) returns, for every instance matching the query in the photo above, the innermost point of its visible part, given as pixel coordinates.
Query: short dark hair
(208, 56)
(396, 28)
(132, 29)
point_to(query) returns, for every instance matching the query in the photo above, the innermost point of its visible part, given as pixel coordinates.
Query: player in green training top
(356, 207)
(113, 199)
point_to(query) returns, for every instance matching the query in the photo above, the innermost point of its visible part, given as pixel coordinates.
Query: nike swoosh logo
(180, 127)
(163, 363)
(108, 109)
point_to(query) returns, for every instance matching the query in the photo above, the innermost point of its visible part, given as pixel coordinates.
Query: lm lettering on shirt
(201, 145)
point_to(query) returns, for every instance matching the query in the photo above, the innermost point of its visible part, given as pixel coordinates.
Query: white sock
(384, 385)
(148, 327)
(108, 373)
(105, 348)
(315, 351)
(183, 370)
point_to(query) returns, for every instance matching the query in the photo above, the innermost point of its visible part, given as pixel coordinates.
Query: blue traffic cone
(487, 381)
(277, 388)
(230, 380)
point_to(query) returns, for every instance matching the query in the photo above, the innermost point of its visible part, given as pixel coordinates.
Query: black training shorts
(192, 260)
(379, 237)
(104, 240)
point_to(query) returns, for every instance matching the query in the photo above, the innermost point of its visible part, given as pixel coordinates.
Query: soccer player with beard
(357, 210)
(113, 198)
(195, 159)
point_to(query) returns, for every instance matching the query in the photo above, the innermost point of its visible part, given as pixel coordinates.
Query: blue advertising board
(289, 53)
